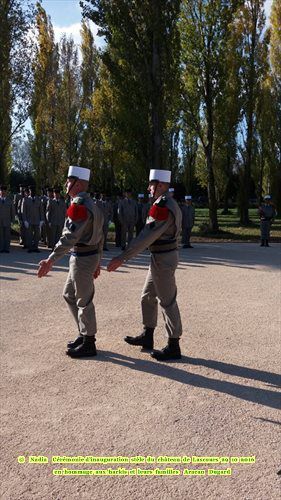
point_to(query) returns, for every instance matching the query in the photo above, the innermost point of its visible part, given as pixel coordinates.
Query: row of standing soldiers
(42, 217)
(128, 214)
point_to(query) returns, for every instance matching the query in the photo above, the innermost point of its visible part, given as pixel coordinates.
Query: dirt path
(220, 400)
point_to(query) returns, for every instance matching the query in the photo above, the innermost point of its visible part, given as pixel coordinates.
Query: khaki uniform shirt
(56, 211)
(7, 212)
(106, 208)
(128, 211)
(83, 226)
(32, 210)
(162, 224)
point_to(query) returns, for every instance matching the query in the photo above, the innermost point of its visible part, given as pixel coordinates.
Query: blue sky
(63, 12)
(66, 17)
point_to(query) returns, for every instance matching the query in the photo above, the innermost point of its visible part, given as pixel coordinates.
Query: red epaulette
(159, 213)
(77, 212)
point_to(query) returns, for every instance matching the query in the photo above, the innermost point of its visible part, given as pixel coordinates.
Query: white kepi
(79, 172)
(160, 175)
(188, 197)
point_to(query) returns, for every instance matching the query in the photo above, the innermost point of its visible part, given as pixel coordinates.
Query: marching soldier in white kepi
(162, 228)
(83, 235)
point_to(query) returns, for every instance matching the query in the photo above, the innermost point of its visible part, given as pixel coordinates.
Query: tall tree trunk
(244, 210)
(261, 178)
(250, 107)
(227, 186)
(157, 92)
(5, 90)
(213, 218)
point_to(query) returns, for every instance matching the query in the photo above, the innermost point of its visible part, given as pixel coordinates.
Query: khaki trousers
(79, 292)
(161, 284)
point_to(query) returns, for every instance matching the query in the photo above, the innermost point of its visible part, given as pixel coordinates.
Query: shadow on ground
(256, 395)
(238, 255)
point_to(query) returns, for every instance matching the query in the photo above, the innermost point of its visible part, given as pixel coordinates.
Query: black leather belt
(163, 251)
(84, 254)
(84, 250)
(163, 246)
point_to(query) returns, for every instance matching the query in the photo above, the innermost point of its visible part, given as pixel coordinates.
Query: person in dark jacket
(267, 213)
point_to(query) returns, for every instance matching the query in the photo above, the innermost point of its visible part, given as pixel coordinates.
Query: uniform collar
(83, 194)
(161, 196)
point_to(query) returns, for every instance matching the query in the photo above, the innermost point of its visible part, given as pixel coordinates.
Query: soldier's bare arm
(151, 232)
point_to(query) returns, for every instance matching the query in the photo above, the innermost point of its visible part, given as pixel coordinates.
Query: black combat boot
(145, 339)
(87, 348)
(75, 343)
(262, 243)
(266, 243)
(171, 351)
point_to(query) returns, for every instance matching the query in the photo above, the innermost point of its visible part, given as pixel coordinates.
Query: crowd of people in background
(41, 218)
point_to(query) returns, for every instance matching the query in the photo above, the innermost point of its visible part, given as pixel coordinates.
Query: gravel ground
(220, 400)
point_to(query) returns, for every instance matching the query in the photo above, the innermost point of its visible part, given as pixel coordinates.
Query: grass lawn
(230, 228)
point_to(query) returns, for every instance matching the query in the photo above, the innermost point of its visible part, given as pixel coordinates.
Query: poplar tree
(45, 143)
(70, 103)
(142, 57)
(226, 120)
(112, 161)
(275, 59)
(204, 34)
(249, 26)
(16, 55)
(265, 126)
(89, 77)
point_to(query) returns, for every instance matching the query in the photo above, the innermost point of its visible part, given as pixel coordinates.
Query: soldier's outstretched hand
(97, 272)
(44, 267)
(114, 264)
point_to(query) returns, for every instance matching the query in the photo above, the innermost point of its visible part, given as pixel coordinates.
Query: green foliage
(249, 31)
(274, 162)
(70, 102)
(45, 144)
(181, 85)
(16, 55)
(204, 34)
(142, 58)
